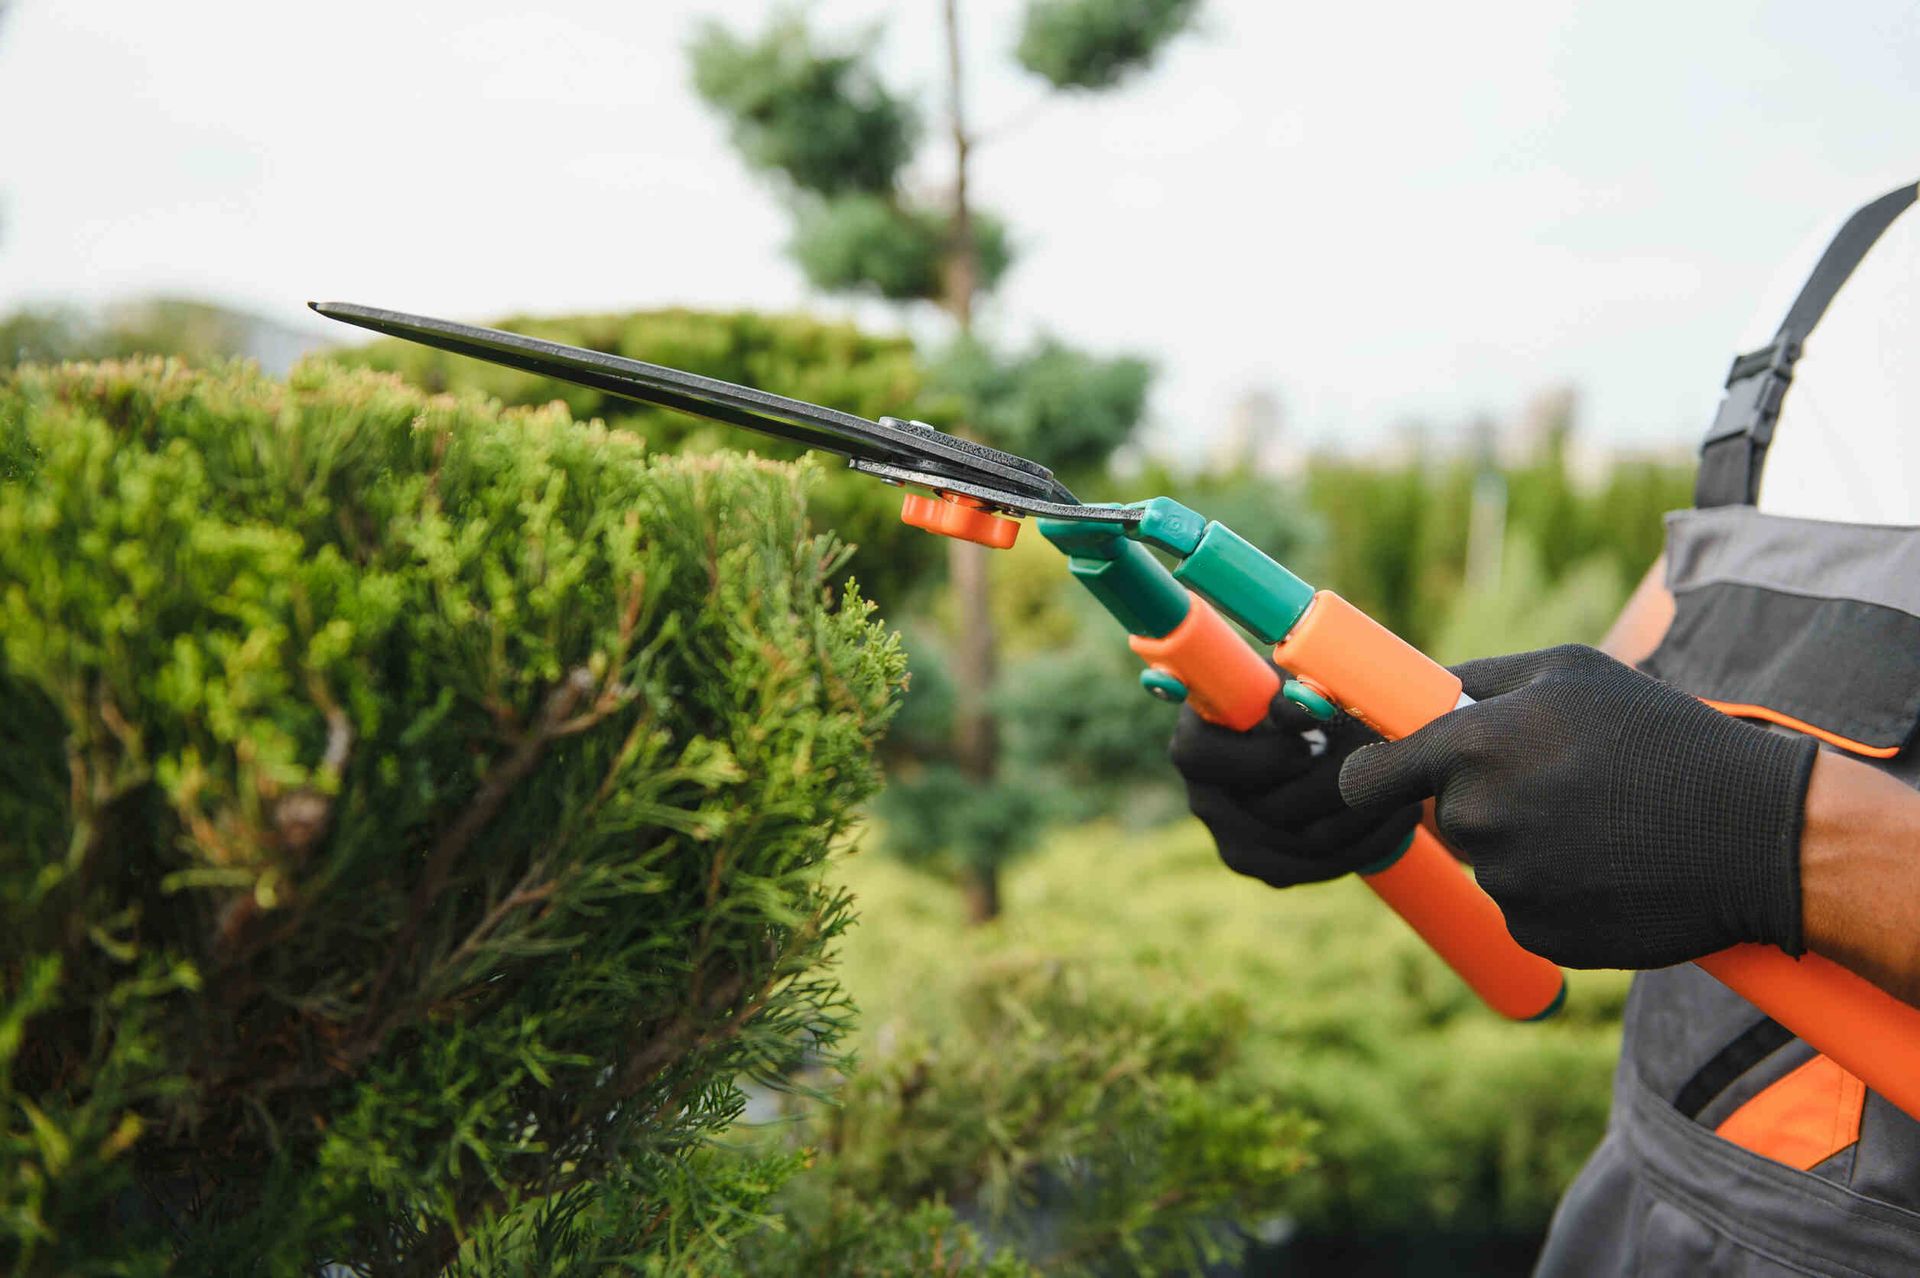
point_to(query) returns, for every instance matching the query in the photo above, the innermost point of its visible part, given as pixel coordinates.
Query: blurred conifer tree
(838, 140)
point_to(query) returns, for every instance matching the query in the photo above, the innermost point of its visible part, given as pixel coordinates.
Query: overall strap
(1736, 445)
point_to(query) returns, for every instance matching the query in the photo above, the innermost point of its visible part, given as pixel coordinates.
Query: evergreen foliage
(837, 1232)
(1060, 407)
(820, 118)
(1091, 1125)
(1528, 609)
(411, 817)
(1427, 1115)
(1081, 741)
(1079, 727)
(1052, 402)
(42, 335)
(938, 818)
(1093, 44)
(822, 121)
(870, 244)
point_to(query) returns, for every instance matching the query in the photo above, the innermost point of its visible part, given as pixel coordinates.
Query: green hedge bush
(411, 817)
(1426, 1115)
(1091, 1125)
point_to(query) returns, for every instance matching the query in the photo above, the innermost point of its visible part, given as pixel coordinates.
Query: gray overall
(1819, 624)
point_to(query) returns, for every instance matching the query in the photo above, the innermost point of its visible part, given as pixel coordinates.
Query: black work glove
(1617, 821)
(1271, 796)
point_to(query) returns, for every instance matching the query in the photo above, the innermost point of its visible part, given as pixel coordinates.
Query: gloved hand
(1271, 795)
(1617, 821)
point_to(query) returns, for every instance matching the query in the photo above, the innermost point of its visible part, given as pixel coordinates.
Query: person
(1733, 764)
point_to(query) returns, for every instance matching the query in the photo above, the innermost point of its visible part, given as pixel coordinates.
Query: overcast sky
(1377, 211)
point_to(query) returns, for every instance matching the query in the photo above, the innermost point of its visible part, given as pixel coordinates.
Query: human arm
(1637, 631)
(1860, 873)
(1859, 840)
(1621, 823)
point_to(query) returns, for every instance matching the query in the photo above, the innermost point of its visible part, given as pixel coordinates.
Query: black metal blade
(908, 445)
(1002, 500)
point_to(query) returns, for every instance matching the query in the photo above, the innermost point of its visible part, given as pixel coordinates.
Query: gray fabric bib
(1820, 622)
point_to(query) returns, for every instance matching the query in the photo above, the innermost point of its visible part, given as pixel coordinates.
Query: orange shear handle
(1845, 1017)
(1381, 678)
(1437, 897)
(1227, 682)
(1230, 683)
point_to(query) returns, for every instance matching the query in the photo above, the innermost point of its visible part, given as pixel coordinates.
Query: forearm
(1859, 847)
(1860, 873)
(1644, 620)
(1860, 838)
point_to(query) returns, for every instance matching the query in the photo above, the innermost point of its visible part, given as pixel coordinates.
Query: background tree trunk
(975, 743)
(980, 884)
(963, 271)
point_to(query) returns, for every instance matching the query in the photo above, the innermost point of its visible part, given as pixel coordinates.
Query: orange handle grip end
(1865, 1030)
(1375, 675)
(1441, 902)
(1227, 682)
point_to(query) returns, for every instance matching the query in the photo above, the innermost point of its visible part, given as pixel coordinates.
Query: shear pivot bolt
(1163, 685)
(1310, 699)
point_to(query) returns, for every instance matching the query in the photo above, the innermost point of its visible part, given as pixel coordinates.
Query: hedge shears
(1336, 659)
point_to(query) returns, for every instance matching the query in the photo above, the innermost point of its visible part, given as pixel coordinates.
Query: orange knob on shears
(961, 517)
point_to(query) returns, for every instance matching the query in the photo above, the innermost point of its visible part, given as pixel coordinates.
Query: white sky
(1379, 211)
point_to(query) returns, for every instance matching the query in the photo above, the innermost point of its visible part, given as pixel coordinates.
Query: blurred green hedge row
(1393, 539)
(1418, 1113)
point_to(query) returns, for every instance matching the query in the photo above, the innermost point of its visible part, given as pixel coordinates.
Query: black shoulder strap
(1736, 445)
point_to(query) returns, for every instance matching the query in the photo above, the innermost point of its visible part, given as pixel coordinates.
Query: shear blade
(1000, 500)
(910, 446)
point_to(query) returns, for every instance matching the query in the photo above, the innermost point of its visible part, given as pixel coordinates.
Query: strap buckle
(1756, 384)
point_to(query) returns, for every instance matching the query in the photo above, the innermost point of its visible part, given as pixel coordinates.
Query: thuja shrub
(411, 816)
